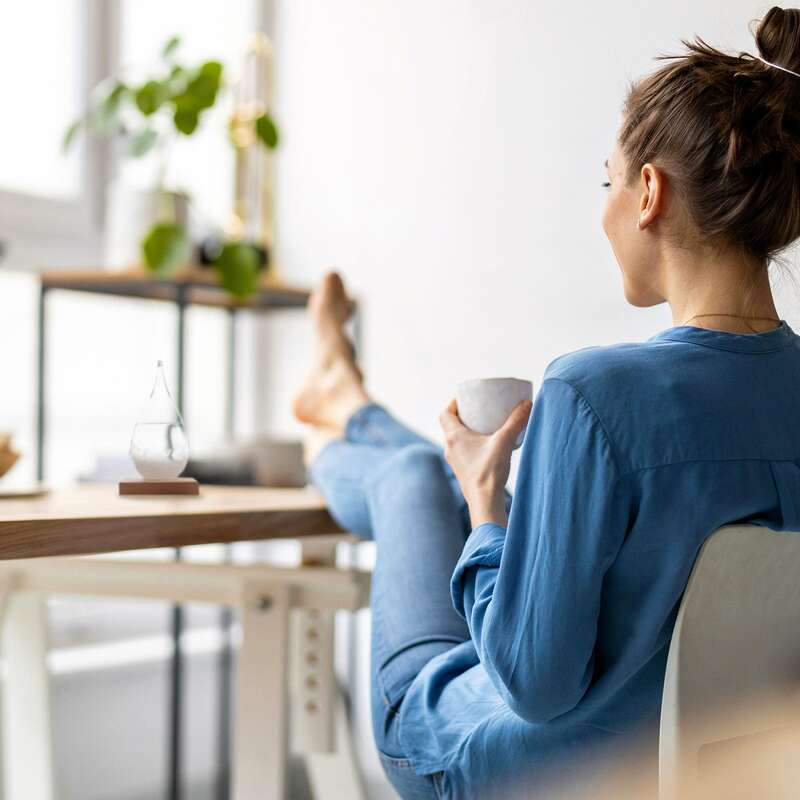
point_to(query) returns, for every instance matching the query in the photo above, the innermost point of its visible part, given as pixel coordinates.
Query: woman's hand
(482, 463)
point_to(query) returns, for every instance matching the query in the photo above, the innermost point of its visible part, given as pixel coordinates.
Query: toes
(334, 290)
(332, 287)
(333, 280)
(328, 303)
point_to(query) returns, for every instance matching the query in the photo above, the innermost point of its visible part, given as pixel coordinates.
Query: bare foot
(334, 389)
(332, 392)
(329, 308)
(329, 301)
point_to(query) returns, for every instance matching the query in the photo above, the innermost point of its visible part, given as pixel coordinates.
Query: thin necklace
(734, 316)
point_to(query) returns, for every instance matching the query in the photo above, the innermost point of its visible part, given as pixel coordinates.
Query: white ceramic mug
(485, 403)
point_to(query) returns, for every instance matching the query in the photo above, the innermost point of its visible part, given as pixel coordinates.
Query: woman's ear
(651, 202)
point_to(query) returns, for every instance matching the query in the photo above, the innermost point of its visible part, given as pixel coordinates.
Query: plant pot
(130, 213)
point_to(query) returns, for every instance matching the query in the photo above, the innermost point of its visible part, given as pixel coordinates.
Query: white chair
(733, 669)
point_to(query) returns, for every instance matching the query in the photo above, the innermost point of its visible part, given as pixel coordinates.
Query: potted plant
(147, 119)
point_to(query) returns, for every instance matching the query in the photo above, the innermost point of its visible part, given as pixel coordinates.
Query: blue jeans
(387, 483)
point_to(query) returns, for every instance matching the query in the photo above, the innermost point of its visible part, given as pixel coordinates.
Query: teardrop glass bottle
(159, 447)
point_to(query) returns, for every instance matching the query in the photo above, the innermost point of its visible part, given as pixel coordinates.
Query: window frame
(36, 229)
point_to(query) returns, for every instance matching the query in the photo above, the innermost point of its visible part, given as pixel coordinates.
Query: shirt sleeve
(531, 593)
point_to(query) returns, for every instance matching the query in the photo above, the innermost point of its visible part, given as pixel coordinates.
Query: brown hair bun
(778, 38)
(726, 131)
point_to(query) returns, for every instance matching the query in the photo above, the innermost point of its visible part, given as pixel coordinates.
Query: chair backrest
(735, 652)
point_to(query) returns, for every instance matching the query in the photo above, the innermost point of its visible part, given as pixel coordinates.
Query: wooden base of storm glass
(175, 486)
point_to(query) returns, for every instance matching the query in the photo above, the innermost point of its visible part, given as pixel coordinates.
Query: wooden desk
(94, 519)
(187, 287)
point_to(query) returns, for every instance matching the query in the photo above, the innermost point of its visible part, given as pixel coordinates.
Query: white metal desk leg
(323, 731)
(335, 776)
(261, 721)
(314, 680)
(27, 732)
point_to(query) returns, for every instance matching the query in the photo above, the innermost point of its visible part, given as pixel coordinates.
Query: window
(46, 99)
(51, 52)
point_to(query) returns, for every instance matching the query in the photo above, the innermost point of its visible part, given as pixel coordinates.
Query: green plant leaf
(205, 84)
(199, 93)
(186, 121)
(170, 46)
(106, 111)
(166, 247)
(151, 96)
(142, 142)
(237, 265)
(212, 70)
(70, 134)
(184, 100)
(267, 131)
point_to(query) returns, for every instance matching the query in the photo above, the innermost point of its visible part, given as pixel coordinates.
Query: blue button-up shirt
(634, 454)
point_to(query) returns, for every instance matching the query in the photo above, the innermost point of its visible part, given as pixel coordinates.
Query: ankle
(352, 405)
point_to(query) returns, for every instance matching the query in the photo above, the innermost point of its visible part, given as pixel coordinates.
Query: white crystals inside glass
(159, 447)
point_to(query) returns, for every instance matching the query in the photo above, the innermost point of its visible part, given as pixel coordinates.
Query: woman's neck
(719, 291)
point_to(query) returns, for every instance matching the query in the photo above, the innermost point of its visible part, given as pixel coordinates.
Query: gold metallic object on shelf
(252, 218)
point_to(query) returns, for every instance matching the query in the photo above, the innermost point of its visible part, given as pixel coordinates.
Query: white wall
(447, 156)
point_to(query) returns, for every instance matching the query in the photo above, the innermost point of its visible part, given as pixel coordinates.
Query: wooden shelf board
(199, 286)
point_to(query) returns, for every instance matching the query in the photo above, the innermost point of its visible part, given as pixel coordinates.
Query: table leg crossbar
(286, 618)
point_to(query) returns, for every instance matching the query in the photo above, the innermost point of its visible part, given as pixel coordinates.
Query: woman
(508, 648)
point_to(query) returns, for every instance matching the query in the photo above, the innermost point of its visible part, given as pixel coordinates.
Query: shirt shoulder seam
(611, 446)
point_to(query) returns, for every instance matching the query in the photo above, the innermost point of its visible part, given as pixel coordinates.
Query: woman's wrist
(488, 507)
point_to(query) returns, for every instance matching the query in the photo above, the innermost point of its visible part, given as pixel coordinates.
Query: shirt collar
(768, 342)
